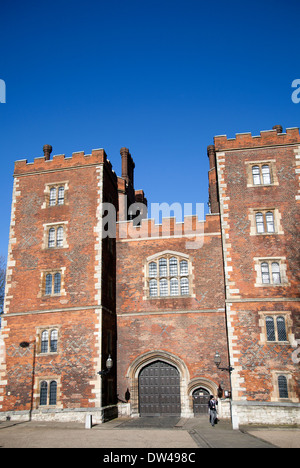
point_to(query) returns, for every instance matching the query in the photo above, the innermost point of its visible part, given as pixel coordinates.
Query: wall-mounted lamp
(109, 365)
(218, 363)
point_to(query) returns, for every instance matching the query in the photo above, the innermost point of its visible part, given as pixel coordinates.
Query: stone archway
(199, 399)
(151, 357)
(159, 390)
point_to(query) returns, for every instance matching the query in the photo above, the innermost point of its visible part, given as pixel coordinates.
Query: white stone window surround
(264, 210)
(260, 164)
(168, 277)
(56, 225)
(269, 260)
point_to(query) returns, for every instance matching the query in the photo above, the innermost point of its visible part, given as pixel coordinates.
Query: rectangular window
(283, 387)
(52, 283)
(276, 328)
(271, 271)
(264, 222)
(163, 267)
(261, 173)
(55, 235)
(55, 194)
(48, 392)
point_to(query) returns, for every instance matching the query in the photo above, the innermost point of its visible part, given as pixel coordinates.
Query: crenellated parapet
(61, 162)
(272, 137)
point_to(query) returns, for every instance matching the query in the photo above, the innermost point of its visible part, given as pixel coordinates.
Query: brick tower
(59, 324)
(259, 193)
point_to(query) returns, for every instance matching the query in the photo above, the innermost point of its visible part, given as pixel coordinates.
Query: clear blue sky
(160, 77)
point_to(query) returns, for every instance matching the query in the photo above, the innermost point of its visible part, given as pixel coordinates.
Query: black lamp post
(109, 364)
(218, 363)
(25, 345)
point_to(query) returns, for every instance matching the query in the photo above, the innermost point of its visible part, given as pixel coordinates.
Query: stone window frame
(168, 254)
(292, 397)
(57, 185)
(49, 329)
(48, 379)
(260, 163)
(282, 270)
(264, 210)
(56, 226)
(42, 289)
(288, 325)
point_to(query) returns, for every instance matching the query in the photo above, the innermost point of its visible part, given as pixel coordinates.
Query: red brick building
(258, 183)
(160, 299)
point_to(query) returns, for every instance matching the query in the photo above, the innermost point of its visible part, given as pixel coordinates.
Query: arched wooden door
(200, 401)
(159, 390)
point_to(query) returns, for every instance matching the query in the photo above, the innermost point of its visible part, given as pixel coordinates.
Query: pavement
(144, 433)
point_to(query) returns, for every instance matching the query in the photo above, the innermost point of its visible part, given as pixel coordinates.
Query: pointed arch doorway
(159, 390)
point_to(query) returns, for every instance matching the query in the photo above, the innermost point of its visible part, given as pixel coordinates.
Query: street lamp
(109, 364)
(218, 362)
(25, 345)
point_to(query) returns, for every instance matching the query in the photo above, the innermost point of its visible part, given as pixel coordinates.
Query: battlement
(272, 137)
(191, 227)
(60, 162)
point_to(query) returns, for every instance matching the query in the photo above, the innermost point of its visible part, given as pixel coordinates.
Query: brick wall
(258, 362)
(190, 328)
(83, 313)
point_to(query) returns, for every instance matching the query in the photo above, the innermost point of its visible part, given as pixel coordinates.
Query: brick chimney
(212, 179)
(127, 166)
(47, 151)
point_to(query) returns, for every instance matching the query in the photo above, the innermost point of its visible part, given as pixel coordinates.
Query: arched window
(44, 342)
(49, 339)
(60, 236)
(51, 238)
(260, 227)
(173, 262)
(172, 273)
(53, 341)
(48, 392)
(266, 175)
(276, 328)
(270, 329)
(184, 268)
(53, 283)
(256, 175)
(283, 387)
(281, 329)
(270, 221)
(265, 274)
(152, 269)
(43, 393)
(276, 273)
(48, 289)
(53, 393)
(52, 199)
(61, 196)
(163, 267)
(57, 283)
